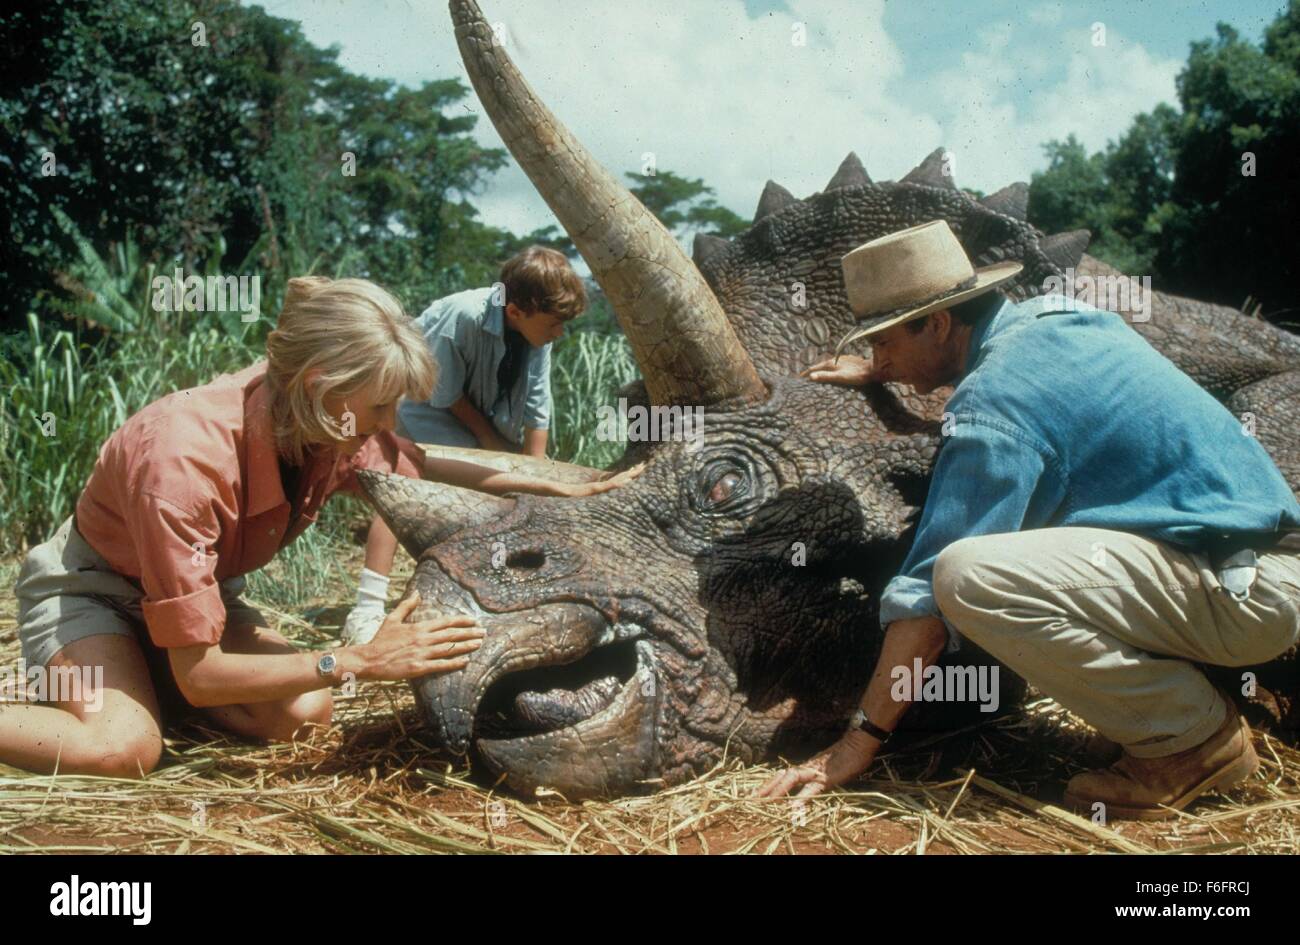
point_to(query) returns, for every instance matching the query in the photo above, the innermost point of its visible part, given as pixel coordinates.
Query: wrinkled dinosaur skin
(724, 604)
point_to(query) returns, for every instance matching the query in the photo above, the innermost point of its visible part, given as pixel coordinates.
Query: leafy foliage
(683, 203)
(1201, 198)
(189, 123)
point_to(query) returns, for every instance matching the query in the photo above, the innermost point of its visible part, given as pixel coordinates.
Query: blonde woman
(137, 595)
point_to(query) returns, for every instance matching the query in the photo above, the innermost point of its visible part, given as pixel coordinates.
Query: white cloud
(1047, 14)
(717, 95)
(1102, 88)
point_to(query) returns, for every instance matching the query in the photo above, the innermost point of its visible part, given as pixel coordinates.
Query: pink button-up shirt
(188, 493)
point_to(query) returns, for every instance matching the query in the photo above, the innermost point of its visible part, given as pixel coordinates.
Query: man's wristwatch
(326, 665)
(858, 720)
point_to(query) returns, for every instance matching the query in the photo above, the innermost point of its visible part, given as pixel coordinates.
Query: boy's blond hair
(353, 333)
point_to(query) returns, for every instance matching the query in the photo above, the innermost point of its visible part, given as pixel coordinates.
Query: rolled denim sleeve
(989, 478)
(537, 407)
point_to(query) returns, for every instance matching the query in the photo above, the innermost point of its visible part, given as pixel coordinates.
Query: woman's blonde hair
(353, 333)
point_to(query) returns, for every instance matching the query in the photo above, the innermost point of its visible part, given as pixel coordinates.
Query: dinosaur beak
(593, 744)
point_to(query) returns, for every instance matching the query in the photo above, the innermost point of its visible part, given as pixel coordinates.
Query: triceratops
(725, 602)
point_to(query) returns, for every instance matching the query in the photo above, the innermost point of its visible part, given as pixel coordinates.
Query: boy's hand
(848, 369)
(366, 616)
(361, 625)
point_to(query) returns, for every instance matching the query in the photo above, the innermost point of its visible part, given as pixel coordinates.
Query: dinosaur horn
(707, 246)
(851, 173)
(1065, 249)
(934, 171)
(686, 347)
(773, 198)
(423, 513)
(1013, 200)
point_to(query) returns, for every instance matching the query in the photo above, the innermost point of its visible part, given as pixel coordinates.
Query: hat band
(961, 286)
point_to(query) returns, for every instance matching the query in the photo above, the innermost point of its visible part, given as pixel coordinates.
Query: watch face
(327, 663)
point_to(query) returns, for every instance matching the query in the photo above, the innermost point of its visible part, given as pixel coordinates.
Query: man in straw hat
(1096, 521)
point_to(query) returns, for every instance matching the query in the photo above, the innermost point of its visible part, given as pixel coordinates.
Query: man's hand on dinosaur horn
(837, 765)
(847, 369)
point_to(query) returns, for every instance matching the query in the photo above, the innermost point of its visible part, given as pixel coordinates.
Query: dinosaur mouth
(595, 739)
(550, 697)
(557, 696)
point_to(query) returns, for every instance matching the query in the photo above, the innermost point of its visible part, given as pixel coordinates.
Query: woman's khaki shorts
(67, 592)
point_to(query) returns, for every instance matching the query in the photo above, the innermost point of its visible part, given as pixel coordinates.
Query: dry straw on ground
(373, 782)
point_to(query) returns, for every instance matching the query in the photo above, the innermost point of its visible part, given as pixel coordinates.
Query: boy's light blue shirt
(465, 333)
(1071, 418)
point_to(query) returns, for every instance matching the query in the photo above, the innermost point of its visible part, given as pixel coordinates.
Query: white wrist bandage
(372, 590)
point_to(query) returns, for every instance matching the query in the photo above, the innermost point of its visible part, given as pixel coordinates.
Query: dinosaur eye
(722, 486)
(728, 483)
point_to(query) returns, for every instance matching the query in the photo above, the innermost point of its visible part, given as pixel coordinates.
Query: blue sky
(717, 89)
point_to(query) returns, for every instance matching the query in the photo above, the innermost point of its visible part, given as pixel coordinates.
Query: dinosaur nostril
(531, 559)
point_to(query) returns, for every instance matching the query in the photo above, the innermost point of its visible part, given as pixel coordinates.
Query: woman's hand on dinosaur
(848, 369)
(402, 650)
(607, 482)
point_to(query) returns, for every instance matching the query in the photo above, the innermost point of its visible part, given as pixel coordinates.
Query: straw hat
(911, 273)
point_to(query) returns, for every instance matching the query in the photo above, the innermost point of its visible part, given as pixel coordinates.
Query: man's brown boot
(1100, 751)
(1147, 788)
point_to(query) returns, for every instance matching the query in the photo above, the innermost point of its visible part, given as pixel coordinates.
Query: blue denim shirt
(466, 335)
(1068, 418)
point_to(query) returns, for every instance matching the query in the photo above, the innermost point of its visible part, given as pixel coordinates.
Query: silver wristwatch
(326, 665)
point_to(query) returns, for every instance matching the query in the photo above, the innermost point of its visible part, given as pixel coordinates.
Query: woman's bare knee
(117, 730)
(308, 710)
(114, 751)
(131, 759)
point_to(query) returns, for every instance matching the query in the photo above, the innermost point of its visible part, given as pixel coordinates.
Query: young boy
(493, 351)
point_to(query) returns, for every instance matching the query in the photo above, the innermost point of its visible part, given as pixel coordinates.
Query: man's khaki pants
(1106, 623)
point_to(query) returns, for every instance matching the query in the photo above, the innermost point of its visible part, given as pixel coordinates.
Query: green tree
(207, 126)
(1236, 181)
(1201, 197)
(1072, 192)
(683, 203)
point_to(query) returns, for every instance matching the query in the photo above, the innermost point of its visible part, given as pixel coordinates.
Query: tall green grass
(314, 568)
(61, 397)
(588, 366)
